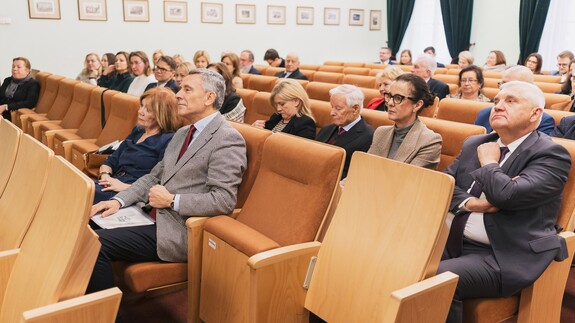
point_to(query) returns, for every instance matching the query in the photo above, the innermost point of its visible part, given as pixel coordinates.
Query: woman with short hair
(20, 90)
(470, 84)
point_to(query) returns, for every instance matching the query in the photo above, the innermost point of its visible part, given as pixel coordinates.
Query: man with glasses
(563, 60)
(516, 73)
(566, 128)
(164, 73)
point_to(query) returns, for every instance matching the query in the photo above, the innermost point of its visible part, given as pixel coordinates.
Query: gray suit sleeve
(138, 191)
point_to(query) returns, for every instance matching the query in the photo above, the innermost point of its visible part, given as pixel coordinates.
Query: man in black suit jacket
(503, 233)
(247, 63)
(164, 73)
(425, 66)
(348, 130)
(292, 68)
(565, 128)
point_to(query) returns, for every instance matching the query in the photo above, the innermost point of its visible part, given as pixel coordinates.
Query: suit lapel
(386, 141)
(351, 135)
(408, 146)
(528, 142)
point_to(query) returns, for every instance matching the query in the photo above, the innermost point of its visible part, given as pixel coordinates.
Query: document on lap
(131, 216)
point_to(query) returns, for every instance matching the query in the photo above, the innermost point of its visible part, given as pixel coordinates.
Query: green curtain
(457, 16)
(398, 16)
(532, 16)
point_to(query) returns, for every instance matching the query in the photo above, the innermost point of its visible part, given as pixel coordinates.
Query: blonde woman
(201, 59)
(384, 78)
(182, 70)
(92, 69)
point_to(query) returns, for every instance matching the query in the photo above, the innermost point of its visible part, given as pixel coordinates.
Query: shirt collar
(353, 123)
(201, 124)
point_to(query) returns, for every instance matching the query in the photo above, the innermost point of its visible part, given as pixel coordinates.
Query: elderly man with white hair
(505, 203)
(425, 67)
(292, 68)
(348, 130)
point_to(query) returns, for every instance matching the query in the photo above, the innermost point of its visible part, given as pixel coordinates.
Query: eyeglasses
(397, 98)
(562, 64)
(161, 69)
(471, 81)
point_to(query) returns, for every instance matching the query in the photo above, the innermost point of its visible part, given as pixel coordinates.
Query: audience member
(507, 196)
(179, 59)
(20, 90)
(272, 57)
(465, 58)
(405, 57)
(566, 86)
(156, 55)
(293, 114)
(425, 67)
(122, 78)
(534, 62)
(292, 68)
(384, 78)
(385, 56)
(199, 178)
(232, 62)
(144, 147)
(201, 59)
(495, 62)
(182, 70)
(92, 69)
(247, 63)
(515, 73)
(140, 66)
(431, 52)
(563, 60)
(164, 73)
(107, 60)
(348, 130)
(470, 85)
(233, 108)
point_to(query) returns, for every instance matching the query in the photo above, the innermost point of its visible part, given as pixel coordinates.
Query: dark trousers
(479, 276)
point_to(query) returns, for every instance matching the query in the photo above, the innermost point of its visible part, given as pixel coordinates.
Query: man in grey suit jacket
(199, 175)
(505, 203)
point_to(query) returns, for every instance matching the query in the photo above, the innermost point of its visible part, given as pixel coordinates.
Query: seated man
(164, 73)
(247, 63)
(199, 175)
(292, 68)
(506, 199)
(563, 60)
(273, 58)
(348, 130)
(431, 52)
(516, 73)
(565, 128)
(424, 67)
(385, 56)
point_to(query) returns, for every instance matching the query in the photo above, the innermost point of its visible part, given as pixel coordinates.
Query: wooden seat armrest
(195, 228)
(36, 126)
(426, 301)
(7, 259)
(97, 307)
(24, 120)
(282, 254)
(51, 133)
(67, 145)
(235, 213)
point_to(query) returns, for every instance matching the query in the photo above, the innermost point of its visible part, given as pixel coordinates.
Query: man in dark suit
(431, 52)
(292, 68)
(164, 73)
(247, 63)
(565, 128)
(272, 57)
(505, 203)
(348, 130)
(385, 56)
(425, 67)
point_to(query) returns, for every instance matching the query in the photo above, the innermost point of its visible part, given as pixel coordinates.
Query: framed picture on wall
(304, 15)
(175, 11)
(136, 10)
(331, 16)
(44, 9)
(212, 13)
(245, 14)
(276, 15)
(375, 20)
(92, 10)
(356, 17)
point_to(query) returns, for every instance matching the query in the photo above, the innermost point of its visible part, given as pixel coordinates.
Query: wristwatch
(173, 201)
(102, 173)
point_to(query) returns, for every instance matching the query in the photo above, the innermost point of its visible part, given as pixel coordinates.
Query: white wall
(59, 46)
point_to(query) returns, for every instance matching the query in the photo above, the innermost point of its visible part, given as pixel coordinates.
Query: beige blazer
(420, 147)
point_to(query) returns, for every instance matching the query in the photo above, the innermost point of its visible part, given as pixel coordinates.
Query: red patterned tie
(334, 137)
(187, 141)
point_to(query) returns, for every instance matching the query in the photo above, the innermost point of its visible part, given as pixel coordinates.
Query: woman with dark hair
(534, 62)
(232, 62)
(566, 88)
(408, 140)
(233, 108)
(140, 66)
(495, 62)
(107, 60)
(20, 90)
(122, 79)
(470, 85)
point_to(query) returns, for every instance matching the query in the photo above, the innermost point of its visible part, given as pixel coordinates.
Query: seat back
(44, 266)
(491, 74)
(330, 69)
(459, 110)
(49, 94)
(78, 107)
(366, 227)
(453, 71)
(354, 64)
(10, 135)
(552, 98)
(91, 126)
(293, 190)
(123, 116)
(321, 113)
(358, 70)
(262, 83)
(449, 79)
(261, 108)
(272, 71)
(245, 78)
(328, 77)
(490, 92)
(369, 94)
(558, 115)
(63, 99)
(308, 73)
(547, 78)
(431, 111)
(440, 70)
(309, 67)
(549, 87)
(319, 90)
(564, 219)
(41, 77)
(359, 80)
(491, 82)
(333, 63)
(23, 191)
(247, 96)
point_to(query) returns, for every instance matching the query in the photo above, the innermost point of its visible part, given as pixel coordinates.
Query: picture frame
(212, 13)
(375, 20)
(356, 17)
(276, 15)
(304, 15)
(94, 10)
(175, 11)
(136, 10)
(245, 14)
(331, 16)
(44, 9)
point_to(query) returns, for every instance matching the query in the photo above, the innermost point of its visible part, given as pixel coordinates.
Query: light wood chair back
(547, 78)
(308, 73)
(368, 95)
(490, 92)
(321, 113)
(309, 67)
(272, 71)
(552, 98)
(446, 78)
(558, 115)
(549, 87)
(10, 135)
(431, 111)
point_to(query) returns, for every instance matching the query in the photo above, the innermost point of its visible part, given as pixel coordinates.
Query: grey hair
(429, 62)
(520, 73)
(528, 91)
(212, 82)
(353, 95)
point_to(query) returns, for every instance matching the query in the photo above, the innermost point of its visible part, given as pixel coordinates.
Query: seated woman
(157, 54)
(140, 66)
(534, 62)
(495, 62)
(20, 90)
(144, 147)
(383, 79)
(232, 62)
(293, 114)
(201, 59)
(408, 141)
(233, 108)
(122, 78)
(465, 58)
(92, 69)
(405, 57)
(182, 70)
(470, 85)
(107, 60)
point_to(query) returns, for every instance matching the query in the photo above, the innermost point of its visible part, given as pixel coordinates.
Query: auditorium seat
(333, 63)
(460, 110)
(353, 64)
(309, 67)
(374, 71)
(261, 68)
(308, 73)
(405, 68)
(552, 98)
(558, 115)
(440, 70)
(491, 74)
(356, 70)
(359, 80)
(369, 94)
(490, 92)
(549, 87)
(376, 266)
(453, 88)
(491, 82)
(10, 135)
(451, 66)
(261, 108)
(41, 77)
(245, 78)
(247, 96)
(253, 266)
(548, 78)
(453, 71)
(328, 77)
(261, 83)
(330, 69)
(272, 71)
(449, 79)
(44, 102)
(321, 113)
(562, 106)
(376, 66)
(319, 90)
(431, 111)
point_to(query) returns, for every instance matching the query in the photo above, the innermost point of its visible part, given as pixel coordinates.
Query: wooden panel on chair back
(261, 108)
(247, 96)
(319, 90)
(328, 77)
(10, 135)
(367, 238)
(321, 113)
(262, 83)
(359, 80)
(459, 110)
(23, 191)
(45, 262)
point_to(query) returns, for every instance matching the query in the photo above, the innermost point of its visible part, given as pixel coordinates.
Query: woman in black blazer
(293, 114)
(20, 90)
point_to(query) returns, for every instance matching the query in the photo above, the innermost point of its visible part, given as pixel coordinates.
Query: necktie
(454, 243)
(187, 141)
(335, 135)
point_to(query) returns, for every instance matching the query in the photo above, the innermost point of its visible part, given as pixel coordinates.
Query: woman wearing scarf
(20, 90)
